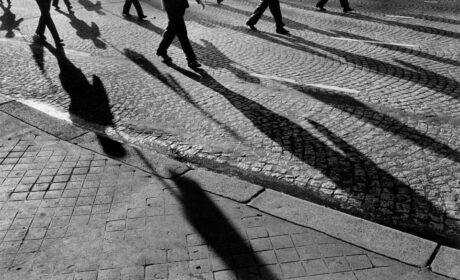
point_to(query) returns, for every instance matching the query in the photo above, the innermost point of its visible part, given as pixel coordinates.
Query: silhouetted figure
(175, 9)
(344, 3)
(66, 2)
(89, 6)
(46, 21)
(275, 9)
(8, 19)
(137, 5)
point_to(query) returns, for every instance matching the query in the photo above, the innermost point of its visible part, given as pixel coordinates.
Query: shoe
(282, 30)
(251, 26)
(348, 10)
(141, 18)
(39, 39)
(165, 56)
(219, 1)
(194, 64)
(126, 15)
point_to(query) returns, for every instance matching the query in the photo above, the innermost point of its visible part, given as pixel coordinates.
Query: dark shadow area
(218, 232)
(88, 101)
(38, 54)
(86, 31)
(422, 77)
(92, 7)
(400, 49)
(414, 27)
(171, 82)
(349, 170)
(8, 20)
(111, 147)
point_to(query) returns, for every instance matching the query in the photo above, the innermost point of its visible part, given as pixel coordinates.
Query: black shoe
(251, 26)
(219, 1)
(165, 56)
(39, 39)
(126, 15)
(194, 64)
(141, 18)
(282, 30)
(348, 10)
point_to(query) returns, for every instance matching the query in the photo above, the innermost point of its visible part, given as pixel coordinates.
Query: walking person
(344, 3)
(46, 21)
(274, 6)
(66, 2)
(175, 9)
(137, 6)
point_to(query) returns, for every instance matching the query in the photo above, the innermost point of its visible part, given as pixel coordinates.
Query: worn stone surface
(360, 110)
(224, 185)
(392, 243)
(447, 262)
(69, 213)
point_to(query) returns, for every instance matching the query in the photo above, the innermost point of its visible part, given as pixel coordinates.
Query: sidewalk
(71, 212)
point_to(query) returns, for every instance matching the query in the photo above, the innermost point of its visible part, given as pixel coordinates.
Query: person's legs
(46, 20)
(177, 23)
(126, 7)
(137, 5)
(168, 37)
(68, 5)
(345, 5)
(275, 9)
(258, 12)
(321, 3)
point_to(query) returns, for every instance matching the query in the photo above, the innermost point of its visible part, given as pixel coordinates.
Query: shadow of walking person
(217, 231)
(86, 31)
(8, 20)
(90, 6)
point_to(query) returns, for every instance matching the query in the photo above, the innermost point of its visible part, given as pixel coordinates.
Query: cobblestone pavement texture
(68, 213)
(360, 111)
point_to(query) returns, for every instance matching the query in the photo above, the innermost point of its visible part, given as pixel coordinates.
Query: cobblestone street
(358, 111)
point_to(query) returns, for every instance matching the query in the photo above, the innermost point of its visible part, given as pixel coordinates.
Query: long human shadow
(349, 170)
(399, 48)
(398, 129)
(85, 31)
(171, 82)
(92, 7)
(414, 27)
(88, 101)
(350, 105)
(217, 231)
(424, 78)
(8, 20)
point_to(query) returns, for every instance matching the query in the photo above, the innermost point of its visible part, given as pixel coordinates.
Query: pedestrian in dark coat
(46, 21)
(274, 6)
(344, 3)
(137, 6)
(175, 9)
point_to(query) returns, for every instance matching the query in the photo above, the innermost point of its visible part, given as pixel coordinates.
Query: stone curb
(380, 239)
(447, 262)
(383, 240)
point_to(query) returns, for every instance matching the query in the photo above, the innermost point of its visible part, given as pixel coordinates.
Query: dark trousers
(275, 9)
(136, 4)
(176, 27)
(46, 21)
(344, 3)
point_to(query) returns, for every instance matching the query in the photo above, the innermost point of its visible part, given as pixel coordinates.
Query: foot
(165, 56)
(219, 1)
(282, 30)
(141, 18)
(126, 15)
(194, 64)
(39, 39)
(348, 10)
(251, 26)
